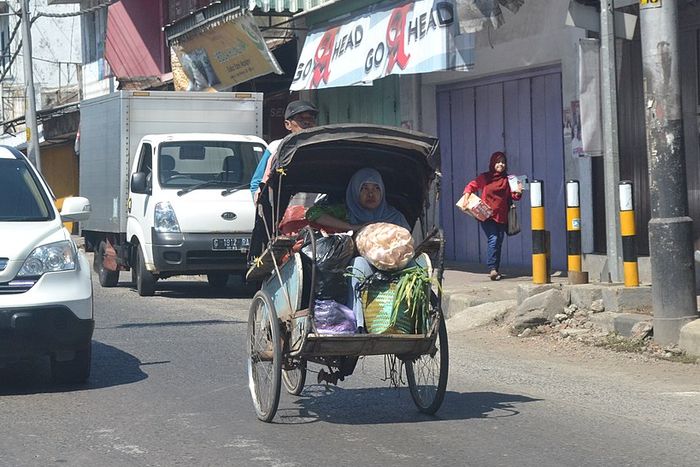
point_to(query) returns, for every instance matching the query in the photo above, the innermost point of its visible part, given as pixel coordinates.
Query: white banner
(412, 37)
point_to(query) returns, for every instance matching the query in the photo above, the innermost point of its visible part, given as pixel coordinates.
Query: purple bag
(332, 317)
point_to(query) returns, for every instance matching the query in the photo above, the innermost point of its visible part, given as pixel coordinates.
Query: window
(186, 163)
(4, 37)
(94, 31)
(22, 198)
(145, 159)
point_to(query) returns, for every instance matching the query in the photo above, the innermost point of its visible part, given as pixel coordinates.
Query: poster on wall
(412, 37)
(225, 54)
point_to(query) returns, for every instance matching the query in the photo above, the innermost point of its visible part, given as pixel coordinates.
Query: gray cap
(297, 107)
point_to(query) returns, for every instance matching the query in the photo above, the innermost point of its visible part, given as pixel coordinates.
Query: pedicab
(282, 334)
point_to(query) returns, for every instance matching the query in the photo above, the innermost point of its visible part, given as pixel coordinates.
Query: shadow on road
(179, 288)
(206, 322)
(388, 405)
(110, 367)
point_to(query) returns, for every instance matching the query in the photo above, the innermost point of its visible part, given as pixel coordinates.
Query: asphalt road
(169, 387)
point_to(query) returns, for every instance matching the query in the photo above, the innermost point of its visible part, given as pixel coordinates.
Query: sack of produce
(332, 317)
(397, 303)
(387, 247)
(333, 254)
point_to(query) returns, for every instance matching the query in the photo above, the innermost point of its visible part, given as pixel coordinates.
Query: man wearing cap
(299, 115)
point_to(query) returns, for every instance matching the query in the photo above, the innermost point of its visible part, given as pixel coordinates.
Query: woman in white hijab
(365, 203)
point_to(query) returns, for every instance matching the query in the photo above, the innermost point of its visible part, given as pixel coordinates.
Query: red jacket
(495, 190)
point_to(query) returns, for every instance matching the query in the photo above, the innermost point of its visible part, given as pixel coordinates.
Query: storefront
(363, 64)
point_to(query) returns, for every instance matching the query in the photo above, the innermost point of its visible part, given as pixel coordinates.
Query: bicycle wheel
(294, 379)
(427, 375)
(264, 356)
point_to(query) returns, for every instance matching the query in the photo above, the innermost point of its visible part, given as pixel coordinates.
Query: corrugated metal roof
(282, 6)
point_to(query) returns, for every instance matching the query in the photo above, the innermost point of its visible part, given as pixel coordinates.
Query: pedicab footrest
(366, 344)
(264, 265)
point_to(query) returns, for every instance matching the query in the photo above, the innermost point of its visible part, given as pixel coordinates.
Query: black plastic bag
(333, 254)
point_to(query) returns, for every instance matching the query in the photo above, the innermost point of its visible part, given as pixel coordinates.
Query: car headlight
(165, 219)
(59, 256)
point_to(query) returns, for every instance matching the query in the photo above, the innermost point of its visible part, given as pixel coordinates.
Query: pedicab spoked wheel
(264, 356)
(294, 379)
(427, 375)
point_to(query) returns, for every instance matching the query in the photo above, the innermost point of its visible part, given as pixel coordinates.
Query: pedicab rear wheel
(264, 356)
(427, 375)
(295, 379)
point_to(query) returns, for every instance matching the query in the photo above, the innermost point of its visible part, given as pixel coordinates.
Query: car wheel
(217, 279)
(145, 281)
(74, 371)
(106, 277)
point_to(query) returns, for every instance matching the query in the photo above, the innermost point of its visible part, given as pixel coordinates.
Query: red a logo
(395, 32)
(322, 58)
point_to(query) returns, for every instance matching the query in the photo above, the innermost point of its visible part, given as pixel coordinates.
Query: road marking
(681, 394)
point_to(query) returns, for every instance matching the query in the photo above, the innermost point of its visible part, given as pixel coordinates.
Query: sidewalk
(472, 299)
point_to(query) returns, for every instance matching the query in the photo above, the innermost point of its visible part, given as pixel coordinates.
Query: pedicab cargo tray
(355, 345)
(338, 345)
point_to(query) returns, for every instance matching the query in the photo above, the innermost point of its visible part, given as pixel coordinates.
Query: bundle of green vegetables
(413, 295)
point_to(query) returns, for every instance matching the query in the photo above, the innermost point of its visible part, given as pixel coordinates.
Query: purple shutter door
(523, 117)
(447, 209)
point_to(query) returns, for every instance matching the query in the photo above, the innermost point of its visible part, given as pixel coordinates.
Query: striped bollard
(540, 274)
(628, 230)
(573, 226)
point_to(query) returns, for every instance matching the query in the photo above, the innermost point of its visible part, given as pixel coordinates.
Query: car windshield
(22, 198)
(210, 164)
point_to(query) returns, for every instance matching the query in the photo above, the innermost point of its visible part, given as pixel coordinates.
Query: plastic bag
(386, 246)
(332, 317)
(333, 254)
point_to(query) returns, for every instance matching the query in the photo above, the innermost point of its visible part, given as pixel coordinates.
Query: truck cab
(189, 209)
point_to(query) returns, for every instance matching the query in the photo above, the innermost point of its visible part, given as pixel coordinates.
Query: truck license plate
(235, 244)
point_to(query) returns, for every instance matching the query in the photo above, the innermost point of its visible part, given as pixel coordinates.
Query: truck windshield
(22, 199)
(210, 164)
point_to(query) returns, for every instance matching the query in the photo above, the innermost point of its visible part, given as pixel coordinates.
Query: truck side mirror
(139, 183)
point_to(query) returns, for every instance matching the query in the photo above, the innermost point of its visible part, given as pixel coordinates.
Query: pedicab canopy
(323, 159)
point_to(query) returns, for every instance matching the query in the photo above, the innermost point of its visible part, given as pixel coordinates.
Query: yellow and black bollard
(573, 226)
(628, 230)
(540, 273)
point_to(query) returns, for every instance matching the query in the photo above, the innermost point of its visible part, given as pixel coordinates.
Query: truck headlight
(59, 256)
(165, 219)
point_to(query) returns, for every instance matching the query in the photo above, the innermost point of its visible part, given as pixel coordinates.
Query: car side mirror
(139, 183)
(75, 209)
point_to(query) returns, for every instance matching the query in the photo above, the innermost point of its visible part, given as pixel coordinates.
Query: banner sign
(225, 54)
(412, 37)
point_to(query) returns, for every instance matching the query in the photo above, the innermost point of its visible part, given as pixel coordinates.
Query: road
(169, 387)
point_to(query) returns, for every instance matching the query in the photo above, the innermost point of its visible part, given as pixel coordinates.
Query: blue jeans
(494, 236)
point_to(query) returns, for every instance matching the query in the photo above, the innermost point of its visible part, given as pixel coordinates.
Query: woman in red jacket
(495, 191)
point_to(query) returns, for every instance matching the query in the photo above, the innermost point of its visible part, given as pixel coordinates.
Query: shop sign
(223, 55)
(412, 37)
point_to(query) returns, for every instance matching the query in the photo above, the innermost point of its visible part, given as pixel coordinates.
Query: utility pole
(30, 108)
(611, 156)
(670, 227)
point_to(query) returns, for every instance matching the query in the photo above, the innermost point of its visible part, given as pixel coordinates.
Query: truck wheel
(145, 282)
(106, 277)
(217, 280)
(74, 371)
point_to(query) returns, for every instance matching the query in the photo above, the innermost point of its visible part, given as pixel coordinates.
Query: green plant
(413, 295)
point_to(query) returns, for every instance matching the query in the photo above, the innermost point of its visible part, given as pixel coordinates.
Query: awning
(284, 6)
(412, 36)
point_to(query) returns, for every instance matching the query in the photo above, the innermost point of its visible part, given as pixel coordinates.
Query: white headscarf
(360, 215)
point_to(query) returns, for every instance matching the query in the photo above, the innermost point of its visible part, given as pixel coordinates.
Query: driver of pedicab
(365, 203)
(299, 115)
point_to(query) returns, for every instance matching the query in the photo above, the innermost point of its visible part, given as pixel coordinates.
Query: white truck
(167, 174)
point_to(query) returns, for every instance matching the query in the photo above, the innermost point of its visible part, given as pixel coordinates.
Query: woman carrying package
(365, 203)
(496, 193)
